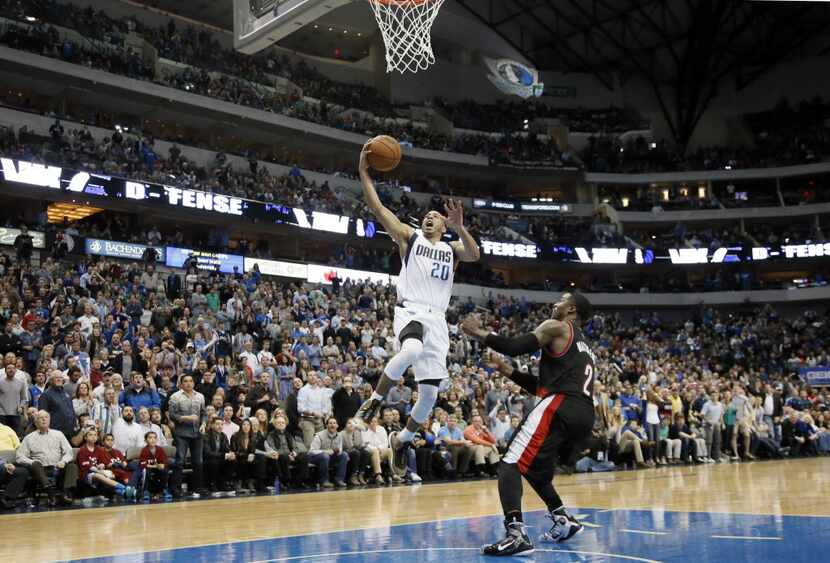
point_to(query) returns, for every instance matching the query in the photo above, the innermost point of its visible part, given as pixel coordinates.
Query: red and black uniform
(556, 427)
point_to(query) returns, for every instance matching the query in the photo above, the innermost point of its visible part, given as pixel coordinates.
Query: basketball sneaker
(368, 410)
(400, 452)
(515, 544)
(564, 527)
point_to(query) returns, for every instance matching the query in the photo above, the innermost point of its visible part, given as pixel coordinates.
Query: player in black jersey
(560, 422)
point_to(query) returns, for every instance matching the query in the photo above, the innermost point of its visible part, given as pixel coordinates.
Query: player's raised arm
(399, 232)
(465, 248)
(528, 343)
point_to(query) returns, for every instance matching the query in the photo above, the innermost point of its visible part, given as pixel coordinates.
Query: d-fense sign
(509, 249)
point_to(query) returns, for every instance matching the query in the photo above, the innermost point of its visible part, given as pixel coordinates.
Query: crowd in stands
(254, 384)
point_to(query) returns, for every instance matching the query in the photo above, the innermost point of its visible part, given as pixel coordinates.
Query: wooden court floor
(791, 487)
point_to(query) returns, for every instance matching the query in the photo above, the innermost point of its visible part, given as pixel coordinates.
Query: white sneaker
(415, 477)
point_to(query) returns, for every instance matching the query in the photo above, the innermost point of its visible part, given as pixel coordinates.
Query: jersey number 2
(589, 379)
(440, 271)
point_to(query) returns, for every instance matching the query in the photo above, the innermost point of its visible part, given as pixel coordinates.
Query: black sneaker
(400, 452)
(564, 527)
(368, 410)
(515, 544)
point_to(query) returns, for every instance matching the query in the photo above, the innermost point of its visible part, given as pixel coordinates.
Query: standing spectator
(13, 398)
(312, 407)
(23, 245)
(326, 450)
(106, 413)
(138, 394)
(345, 402)
(187, 411)
(743, 422)
(58, 405)
(47, 452)
(712, 414)
(9, 341)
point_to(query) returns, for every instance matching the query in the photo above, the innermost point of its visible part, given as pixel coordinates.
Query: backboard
(260, 23)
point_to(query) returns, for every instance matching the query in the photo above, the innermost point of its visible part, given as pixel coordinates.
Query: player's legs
(412, 345)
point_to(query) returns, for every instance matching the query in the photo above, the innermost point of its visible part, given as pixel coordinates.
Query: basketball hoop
(406, 26)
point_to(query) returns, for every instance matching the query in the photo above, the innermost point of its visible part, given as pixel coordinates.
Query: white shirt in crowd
(377, 439)
(126, 436)
(314, 400)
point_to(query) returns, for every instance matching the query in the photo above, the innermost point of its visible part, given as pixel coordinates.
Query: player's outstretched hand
(363, 165)
(455, 214)
(501, 363)
(471, 326)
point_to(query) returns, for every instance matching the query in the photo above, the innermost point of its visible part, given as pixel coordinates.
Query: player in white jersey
(424, 289)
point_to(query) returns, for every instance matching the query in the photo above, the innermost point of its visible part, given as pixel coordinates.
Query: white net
(406, 26)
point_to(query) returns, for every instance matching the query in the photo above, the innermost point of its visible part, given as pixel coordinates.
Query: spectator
(156, 467)
(280, 447)
(138, 395)
(58, 405)
(13, 477)
(106, 413)
(377, 444)
(359, 456)
(13, 398)
(485, 452)
(345, 402)
(47, 452)
(219, 460)
(451, 437)
(313, 408)
(187, 411)
(128, 434)
(92, 470)
(326, 450)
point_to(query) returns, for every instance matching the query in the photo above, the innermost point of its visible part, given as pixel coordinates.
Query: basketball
(386, 153)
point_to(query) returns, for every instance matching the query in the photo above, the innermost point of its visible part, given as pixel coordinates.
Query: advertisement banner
(817, 377)
(277, 268)
(24, 175)
(227, 263)
(118, 249)
(324, 274)
(8, 235)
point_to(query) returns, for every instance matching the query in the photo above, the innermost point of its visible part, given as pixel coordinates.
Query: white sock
(406, 435)
(376, 396)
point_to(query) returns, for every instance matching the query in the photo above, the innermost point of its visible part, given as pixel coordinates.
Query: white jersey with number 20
(427, 272)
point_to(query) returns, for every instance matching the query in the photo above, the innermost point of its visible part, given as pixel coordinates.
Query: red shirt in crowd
(481, 437)
(87, 459)
(152, 457)
(122, 475)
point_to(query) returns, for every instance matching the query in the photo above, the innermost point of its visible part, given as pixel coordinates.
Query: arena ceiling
(683, 48)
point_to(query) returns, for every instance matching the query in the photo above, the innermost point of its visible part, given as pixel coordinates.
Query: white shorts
(432, 363)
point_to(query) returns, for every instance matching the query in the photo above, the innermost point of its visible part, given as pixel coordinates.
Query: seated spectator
(291, 465)
(148, 425)
(156, 468)
(359, 456)
(13, 477)
(326, 452)
(92, 469)
(47, 452)
(500, 427)
(128, 434)
(631, 439)
(485, 452)
(244, 448)
(377, 444)
(117, 463)
(219, 460)
(452, 438)
(669, 448)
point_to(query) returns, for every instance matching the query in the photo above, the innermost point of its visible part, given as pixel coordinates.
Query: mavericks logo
(515, 78)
